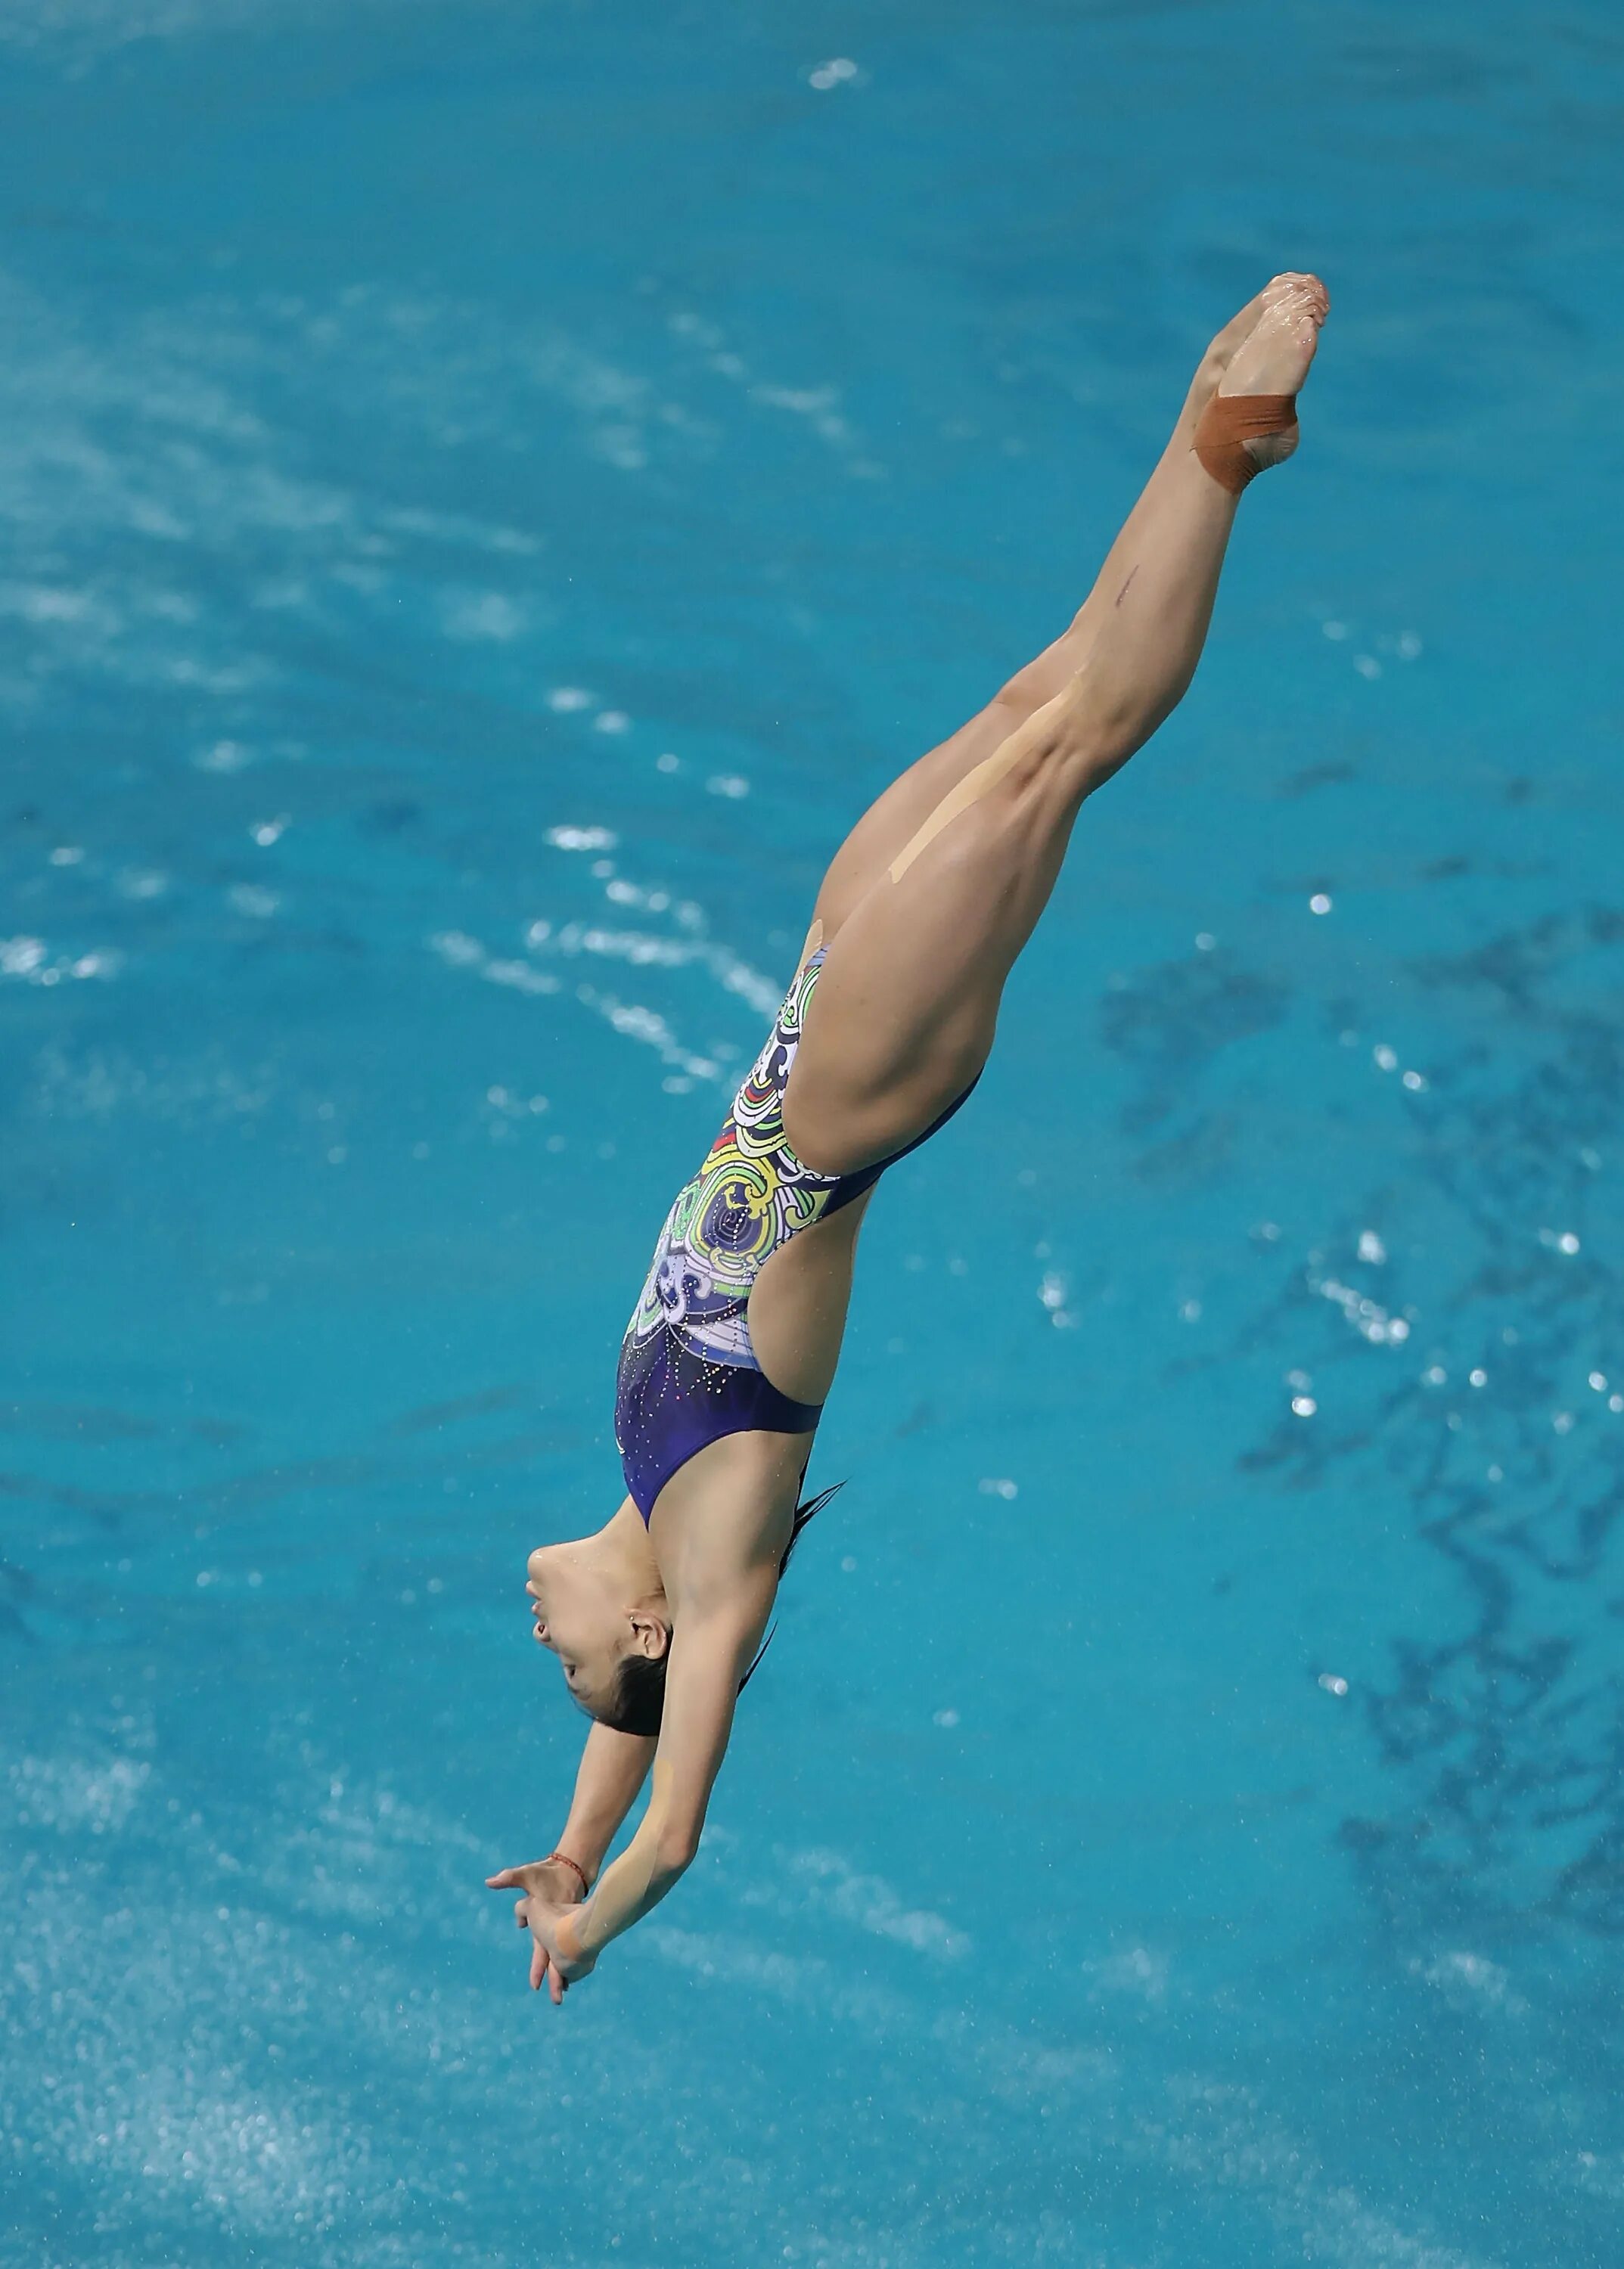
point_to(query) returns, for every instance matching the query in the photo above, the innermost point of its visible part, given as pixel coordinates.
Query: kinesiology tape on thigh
(979, 780)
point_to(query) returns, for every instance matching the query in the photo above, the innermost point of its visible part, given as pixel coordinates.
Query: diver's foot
(1274, 354)
(1221, 352)
(1215, 361)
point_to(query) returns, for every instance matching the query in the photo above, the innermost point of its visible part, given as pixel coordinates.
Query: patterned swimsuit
(689, 1373)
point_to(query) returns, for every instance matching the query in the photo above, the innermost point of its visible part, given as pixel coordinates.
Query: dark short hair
(638, 1702)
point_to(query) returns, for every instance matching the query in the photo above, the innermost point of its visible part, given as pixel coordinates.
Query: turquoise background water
(488, 494)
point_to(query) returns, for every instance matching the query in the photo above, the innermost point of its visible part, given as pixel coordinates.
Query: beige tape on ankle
(1230, 420)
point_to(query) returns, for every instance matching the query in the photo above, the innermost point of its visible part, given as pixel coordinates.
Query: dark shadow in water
(1472, 1373)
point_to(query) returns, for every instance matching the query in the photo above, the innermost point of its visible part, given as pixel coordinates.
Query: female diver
(657, 1618)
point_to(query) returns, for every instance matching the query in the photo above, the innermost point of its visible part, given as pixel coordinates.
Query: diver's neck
(624, 1552)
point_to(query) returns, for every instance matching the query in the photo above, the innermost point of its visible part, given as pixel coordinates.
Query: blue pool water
(488, 494)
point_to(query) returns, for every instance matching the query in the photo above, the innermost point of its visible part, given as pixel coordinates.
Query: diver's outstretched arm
(613, 1768)
(612, 1771)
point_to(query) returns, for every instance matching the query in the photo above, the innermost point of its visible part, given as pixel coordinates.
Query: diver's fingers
(506, 1879)
(556, 1985)
(538, 1965)
(521, 1914)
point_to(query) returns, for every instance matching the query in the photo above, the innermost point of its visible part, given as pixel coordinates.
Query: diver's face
(576, 1617)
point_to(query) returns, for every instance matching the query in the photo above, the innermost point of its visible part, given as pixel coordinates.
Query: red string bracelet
(579, 1874)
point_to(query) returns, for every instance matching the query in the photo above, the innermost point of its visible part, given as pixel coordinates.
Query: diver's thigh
(907, 998)
(893, 818)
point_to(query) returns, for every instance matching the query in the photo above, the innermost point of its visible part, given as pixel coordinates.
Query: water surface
(487, 496)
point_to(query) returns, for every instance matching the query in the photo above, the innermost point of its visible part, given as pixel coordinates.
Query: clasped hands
(549, 1897)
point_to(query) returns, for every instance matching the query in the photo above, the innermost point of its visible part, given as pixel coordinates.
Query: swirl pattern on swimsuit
(751, 1196)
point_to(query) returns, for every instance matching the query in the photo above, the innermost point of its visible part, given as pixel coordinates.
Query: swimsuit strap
(1230, 420)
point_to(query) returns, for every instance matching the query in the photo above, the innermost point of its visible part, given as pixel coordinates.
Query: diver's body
(733, 1346)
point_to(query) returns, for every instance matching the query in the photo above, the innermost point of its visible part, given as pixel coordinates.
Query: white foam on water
(94, 1083)
(70, 1793)
(870, 1903)
(262, 2025)
(482, 614)
(637, 1021)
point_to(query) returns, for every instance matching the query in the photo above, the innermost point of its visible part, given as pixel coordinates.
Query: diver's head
(598, 1604)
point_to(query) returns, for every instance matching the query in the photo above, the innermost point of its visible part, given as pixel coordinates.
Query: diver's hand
(556, 1951)
(543, 1878)
(543, 1908)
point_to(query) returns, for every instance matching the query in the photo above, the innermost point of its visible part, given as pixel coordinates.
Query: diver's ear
(651, 1637)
